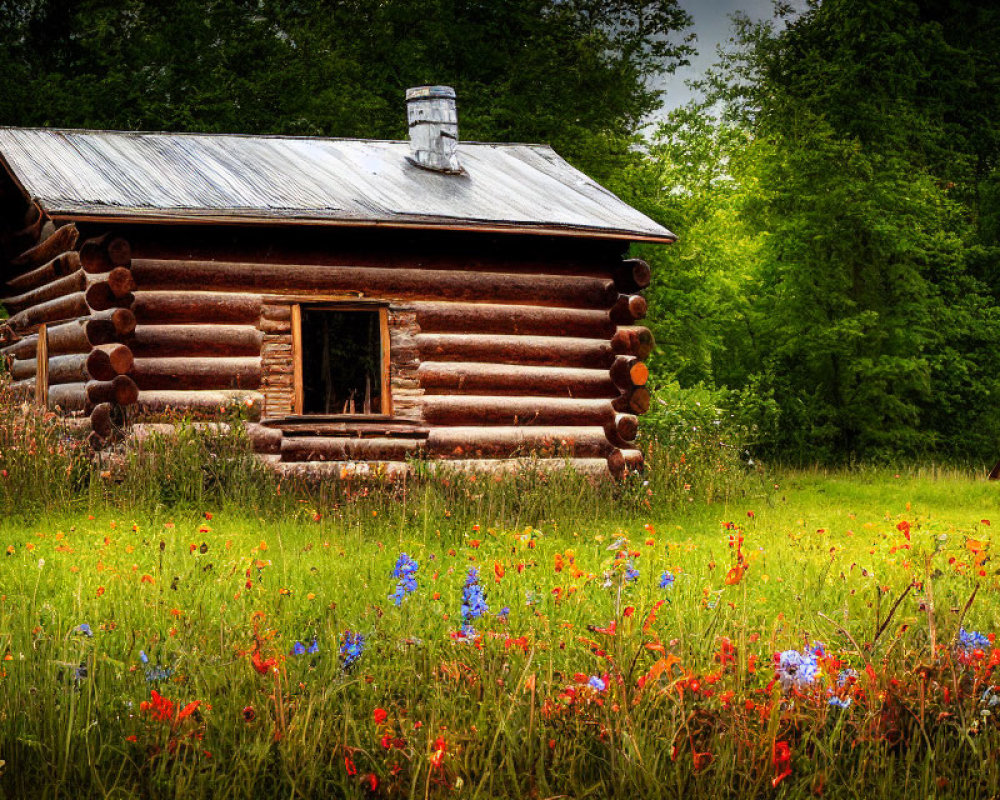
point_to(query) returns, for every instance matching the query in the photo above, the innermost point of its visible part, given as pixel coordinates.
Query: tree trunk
(171, 307)
(196, 373)
(164, 341)
(555, 351)
(504, 379)
(471, 410)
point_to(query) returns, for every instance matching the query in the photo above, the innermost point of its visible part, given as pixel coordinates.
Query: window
(341, 355)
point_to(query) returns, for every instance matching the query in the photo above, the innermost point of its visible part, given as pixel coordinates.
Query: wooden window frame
(298, 390)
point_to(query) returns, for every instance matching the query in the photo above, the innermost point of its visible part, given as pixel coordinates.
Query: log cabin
(363, 302)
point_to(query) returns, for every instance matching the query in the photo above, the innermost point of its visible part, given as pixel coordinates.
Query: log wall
(500, 345)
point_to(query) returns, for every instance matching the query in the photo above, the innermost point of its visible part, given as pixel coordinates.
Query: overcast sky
(712, 25)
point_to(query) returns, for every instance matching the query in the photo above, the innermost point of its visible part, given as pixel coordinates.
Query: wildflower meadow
(831, 636)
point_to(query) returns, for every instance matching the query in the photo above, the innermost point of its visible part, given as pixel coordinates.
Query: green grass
(500, 704)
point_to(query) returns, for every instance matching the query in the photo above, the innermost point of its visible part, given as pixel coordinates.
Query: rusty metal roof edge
(274, 217)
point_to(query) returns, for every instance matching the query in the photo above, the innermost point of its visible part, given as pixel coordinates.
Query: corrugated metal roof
(147, 176)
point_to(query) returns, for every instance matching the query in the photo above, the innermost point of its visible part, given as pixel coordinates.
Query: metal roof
(269, 179)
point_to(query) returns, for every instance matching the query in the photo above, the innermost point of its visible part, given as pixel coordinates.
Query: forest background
(835, 293)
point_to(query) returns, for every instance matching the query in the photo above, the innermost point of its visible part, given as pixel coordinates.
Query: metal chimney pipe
(433, 120)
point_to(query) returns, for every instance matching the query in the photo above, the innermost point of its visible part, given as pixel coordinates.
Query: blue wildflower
(818, 649)
(597, 683)
(143, 657)
(840, 702)
(972, 640)
(796, 670)
(631, 573)
(84, 628)
(405, 572)
(298, 649)
(473, 600)
(504, 612)
(351, 648)
(158, 673)
(667, 580)
(314, 647)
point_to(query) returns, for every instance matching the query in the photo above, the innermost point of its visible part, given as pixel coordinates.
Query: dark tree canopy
(560, 71)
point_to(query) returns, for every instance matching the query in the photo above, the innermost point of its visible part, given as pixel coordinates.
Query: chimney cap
(428, 92)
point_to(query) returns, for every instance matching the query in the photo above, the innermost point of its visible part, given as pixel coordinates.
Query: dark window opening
(342, 362)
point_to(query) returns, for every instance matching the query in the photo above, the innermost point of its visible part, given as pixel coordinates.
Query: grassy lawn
(208, 652)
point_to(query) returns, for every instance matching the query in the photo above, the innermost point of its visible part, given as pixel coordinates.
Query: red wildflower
(782, 759)
(440, 748)
(380, 715)
(260, 664)
(904, 526)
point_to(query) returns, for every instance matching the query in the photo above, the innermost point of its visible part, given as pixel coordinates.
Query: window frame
(298, 385)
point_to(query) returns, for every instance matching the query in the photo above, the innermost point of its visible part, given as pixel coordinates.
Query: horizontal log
(322, 471)
(102, 297)
(60, 309)
(627, 309)
(629, 371)
(169, 402)
(68, 396)
(441, 317)
(556, 351)
(624, 429)
(122, 321)
(106, 361)
(635, 401)
(623, 462)
(341, 448)
(632, 276)
(60, 266)
(171, 307)
(507, 379)
(102, 290)
(197, 373)
(104, 420)
(196, 340)
(471, 410)
(120, 389)
(357, 426)
(63, 239)
(633, 341)
(264, 439)
(104, 253)
(536, 289)
(507, 442)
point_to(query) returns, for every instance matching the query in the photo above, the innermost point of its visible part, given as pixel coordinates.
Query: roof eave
(255, 217)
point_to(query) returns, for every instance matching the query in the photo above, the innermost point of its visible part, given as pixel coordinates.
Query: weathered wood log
(197, 373)
(104, 253)
(624, 428)
(629, 371)
(101, 420)
(121, 390)
(321, 471)
(635, 401)
(103, 289)
(63, 239)
(622, 462)
(101, 296)
(596, 468)
(633, 341)
(556, 351)
(627, 309)
(157, 402)
(163, 341)
(106, 361)
(356, 426)
(60, 266)
(122, 320)
(536, 290)
(68, 396)
(442, 317)
(342, 448)
(471, 410)
(507, 442)
(632, 276)
(507, 379)
(60, 309)
(264, 439)
(164, 308)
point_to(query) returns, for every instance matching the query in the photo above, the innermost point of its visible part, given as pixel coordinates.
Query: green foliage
(525, 70)
(838, 241)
